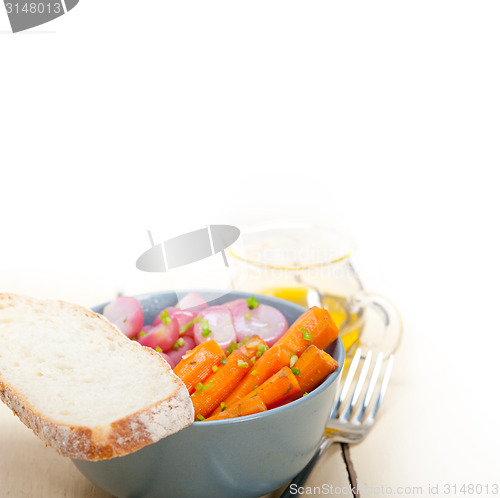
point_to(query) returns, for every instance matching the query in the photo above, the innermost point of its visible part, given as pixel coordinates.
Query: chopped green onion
(305, 394)
(205, 330)
(133, 338)
(295, 371)
(200, 417)
(124, 320)
(242, 364)
(197, 319)
(252, 302)
(305, 334)
(231, 348)
(248, 315)
(215, 368)
(261, 349)
(142, 333)
(165, 319)
(178, 343)
(200, 387)
(159, 349)
(253, 372)
(223, 360)
(293, 360)
(185, 327)
(223, 406)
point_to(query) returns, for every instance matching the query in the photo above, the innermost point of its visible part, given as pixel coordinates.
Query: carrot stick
(277, 388)
(252, 346)
(196, 366)
(246, 407)
(315, 326)
(267, 365)
(221, 383)
(312, 367)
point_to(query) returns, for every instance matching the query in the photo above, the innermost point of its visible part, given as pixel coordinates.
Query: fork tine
(357, 389)
(385, 382)
(347, 383)
(371, 388)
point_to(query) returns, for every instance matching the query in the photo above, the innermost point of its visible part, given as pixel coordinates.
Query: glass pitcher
(312, 266)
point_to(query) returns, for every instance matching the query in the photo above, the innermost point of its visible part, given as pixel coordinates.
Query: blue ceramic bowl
(244, 457)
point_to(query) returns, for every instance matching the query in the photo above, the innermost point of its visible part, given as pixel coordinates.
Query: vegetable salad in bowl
(236, 358)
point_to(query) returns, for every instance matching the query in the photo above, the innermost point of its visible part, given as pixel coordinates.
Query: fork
(346, 427)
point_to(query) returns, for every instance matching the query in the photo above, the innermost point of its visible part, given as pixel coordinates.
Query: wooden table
(425, 437)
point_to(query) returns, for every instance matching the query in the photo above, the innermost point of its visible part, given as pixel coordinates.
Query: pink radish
(183, 317)
(126, 313)
(164, 315)
(175, 355)
(169, 360)
(216, 323)
(161, 336)
(192, 301)
(263, 320)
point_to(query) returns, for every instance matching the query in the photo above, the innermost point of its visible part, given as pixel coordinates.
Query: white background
(379, 117)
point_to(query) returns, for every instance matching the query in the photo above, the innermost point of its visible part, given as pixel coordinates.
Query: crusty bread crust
(118, 438)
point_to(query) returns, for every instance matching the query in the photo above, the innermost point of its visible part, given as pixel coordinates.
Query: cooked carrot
(277, 388)
(196, 366)
(315, 326)
(312, 367)
(246, 407)
(252, 346)
(267, 365)
(218, 385)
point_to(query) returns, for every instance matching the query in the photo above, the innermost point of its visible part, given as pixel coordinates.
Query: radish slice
(176, 355)
(265, 321)
(126, 313)
(161, 336)
(216, 323)
(165, 313)
(186, 322)
(192, 301)
(169, 360)
(184, 319)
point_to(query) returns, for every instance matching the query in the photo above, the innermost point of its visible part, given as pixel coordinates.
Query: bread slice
(81, 385)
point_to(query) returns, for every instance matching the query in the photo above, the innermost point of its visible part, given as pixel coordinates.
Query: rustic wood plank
(329, 478)
(28, 468)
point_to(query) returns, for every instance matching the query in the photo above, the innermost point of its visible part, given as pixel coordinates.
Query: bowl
(244, 457)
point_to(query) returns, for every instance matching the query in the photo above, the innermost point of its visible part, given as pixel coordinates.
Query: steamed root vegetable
(180, 348)
(161, 337)
(126, 313)
(218, 385)
(315, 326)
(313, 366)
(215, 322)
(246, 407)
(199, 364)
(167, 358)
(185, 319)
(277, 388)
(252, 318)
(270, 362)
(193, 302)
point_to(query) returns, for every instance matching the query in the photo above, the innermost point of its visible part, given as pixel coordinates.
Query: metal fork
(346, 427)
